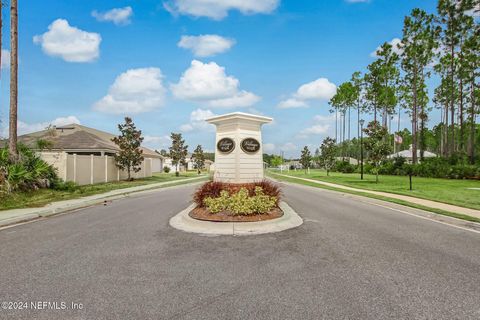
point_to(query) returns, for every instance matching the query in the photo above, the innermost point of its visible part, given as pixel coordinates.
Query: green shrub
(61, 185)
(393, 166)
(30, 172)
(213, 189)
(344, 167)
(262, 203)
(241, 203)
(433, 168)
(216, 205)
(166, 169)
(462, 172)
(368, 168)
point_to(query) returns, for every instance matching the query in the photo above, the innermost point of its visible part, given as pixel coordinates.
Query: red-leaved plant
(212, 189)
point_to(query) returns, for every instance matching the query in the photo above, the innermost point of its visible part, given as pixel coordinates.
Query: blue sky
(170, 64)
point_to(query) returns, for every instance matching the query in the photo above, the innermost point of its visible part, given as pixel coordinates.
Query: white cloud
(218, 9)
(69, 43)
(119, 16)
(5, 59)
(134, 91)
(24, 127)
(197, 121)
(321, 126)
(268, 147)
(156, 142)
(206, 45)
(315, 129)
(328, 119)
(239, 100)
(292, 103)
(394, 43)
(207, 83)
(289, 146)
(320, 89)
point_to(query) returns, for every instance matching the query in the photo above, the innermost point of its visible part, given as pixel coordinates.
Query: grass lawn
(456, 192)
(43, 197)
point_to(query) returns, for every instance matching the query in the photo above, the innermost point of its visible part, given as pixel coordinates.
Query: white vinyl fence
(91, 169)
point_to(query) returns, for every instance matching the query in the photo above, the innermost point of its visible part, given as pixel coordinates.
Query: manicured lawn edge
(368, 195)
(85, 202)
(78, 195)
(418, 196)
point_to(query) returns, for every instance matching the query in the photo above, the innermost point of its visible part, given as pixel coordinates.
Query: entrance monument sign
(239, 154)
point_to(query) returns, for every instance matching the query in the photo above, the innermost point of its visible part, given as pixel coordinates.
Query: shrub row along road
(349, 260)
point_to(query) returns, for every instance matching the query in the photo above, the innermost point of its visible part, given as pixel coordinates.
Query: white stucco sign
(238, 151)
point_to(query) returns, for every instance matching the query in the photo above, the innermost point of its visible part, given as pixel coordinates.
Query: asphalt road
(349, 260)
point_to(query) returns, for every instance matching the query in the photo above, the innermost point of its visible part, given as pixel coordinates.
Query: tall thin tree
(418, 46)
(13, 80)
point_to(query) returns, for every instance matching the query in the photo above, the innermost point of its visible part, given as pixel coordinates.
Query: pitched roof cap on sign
(239, 115)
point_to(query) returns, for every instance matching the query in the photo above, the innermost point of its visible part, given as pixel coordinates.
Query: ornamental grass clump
(241, 202)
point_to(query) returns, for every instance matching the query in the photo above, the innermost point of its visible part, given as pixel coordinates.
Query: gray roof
(75, 137)
(408, 154)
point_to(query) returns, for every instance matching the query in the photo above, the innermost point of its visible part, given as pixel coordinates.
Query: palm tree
(13, 79)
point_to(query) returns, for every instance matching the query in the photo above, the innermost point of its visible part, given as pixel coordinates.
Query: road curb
(80, 203)
(182, 221)
(425, 203)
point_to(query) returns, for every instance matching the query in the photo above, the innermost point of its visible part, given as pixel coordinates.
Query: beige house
(85, 155)
(167, 162)
(408, 154)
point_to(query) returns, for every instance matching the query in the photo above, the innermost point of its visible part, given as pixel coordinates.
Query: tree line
(445, 45)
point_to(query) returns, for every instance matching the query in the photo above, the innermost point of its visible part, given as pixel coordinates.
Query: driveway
(349, 260)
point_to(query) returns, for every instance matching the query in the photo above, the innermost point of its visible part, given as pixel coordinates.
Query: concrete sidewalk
(8, 217)
(418, 201)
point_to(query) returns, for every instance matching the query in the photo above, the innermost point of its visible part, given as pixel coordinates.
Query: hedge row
(429, 168)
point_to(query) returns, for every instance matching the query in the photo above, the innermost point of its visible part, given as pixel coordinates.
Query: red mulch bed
(203, 214)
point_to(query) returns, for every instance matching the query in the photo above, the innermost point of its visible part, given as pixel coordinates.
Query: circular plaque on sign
(225, 145)
(250, 145)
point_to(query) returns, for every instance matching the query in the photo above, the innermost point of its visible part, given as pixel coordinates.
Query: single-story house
(85, 155)
(209, 165)
(408, 154)
(350, 160)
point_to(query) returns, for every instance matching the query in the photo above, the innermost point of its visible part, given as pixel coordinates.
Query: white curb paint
(290, 219)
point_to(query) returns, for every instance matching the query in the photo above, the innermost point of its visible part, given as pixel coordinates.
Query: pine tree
(178, 151)
(357, 83)
(345, 97)
(198, 159)
(465, 31)
(381, 81)
(471, 68)
(418, 45)
(448, 17)
(129, 141)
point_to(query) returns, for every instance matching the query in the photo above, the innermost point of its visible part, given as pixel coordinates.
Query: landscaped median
(442, 197)
(101, 193)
